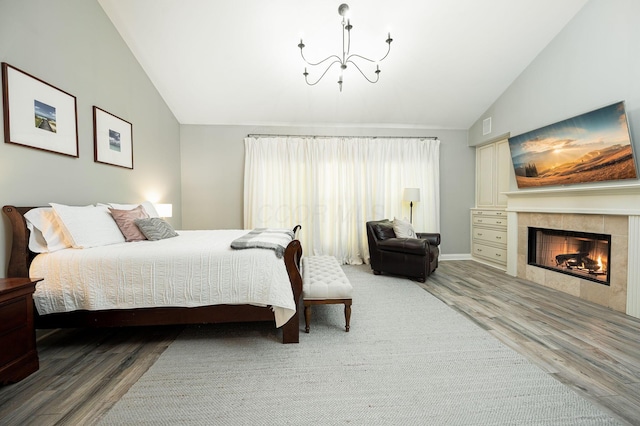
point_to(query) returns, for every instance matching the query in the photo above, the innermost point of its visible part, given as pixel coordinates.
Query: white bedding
(197, 268)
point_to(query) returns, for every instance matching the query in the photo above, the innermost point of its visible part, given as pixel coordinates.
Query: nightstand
(18, 356)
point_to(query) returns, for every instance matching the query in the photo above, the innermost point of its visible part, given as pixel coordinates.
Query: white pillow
(37, 243)
(88, 226)
(147, 206)
(403, 228)
(46, 233)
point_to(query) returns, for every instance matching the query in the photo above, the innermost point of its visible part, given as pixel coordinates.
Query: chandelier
(347, 56)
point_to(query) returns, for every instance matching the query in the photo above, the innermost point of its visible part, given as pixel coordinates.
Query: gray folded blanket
(266, 238)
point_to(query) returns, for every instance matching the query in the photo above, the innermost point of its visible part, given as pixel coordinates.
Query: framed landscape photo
(37, 114)
(112, 139)
(592, 147)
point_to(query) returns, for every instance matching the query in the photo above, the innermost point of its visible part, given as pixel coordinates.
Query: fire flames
(579, 255)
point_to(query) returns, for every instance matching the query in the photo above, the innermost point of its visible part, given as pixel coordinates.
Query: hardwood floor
(591, 349)
(83, 372)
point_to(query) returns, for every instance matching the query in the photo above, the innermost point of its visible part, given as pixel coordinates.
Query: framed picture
(37, 114)
(112, 139)
(591, 147)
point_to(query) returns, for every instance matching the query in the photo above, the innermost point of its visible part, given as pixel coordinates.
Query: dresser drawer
(15, 344)
(494, 254)
(490, 235)
(495, 213)
(490, 220)
(13, 313)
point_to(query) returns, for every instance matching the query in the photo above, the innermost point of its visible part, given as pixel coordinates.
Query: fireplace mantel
(608, 199)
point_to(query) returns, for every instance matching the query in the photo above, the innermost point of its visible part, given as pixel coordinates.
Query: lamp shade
(164, 210)
(411, 194)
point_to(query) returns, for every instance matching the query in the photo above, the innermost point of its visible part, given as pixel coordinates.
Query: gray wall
(213, 175)
(593, 62)
(71, 44)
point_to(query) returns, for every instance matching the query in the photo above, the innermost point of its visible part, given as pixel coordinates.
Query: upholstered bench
(324, 282)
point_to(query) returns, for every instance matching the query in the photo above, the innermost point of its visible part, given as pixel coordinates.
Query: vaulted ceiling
(237, 62)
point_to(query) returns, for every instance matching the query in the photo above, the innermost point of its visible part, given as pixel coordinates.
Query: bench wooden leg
(347, 314)
(307, 317)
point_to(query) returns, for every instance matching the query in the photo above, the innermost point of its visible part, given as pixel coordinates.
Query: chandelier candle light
(347, 56)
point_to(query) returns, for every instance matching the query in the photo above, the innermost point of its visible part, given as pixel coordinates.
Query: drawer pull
(498, 238)
(498, 222)
(479, 234)
(498, 255)
(479, 220)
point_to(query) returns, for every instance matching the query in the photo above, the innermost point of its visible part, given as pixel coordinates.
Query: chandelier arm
(363, 74)
(318, 63)
(388, 50)
(325, 71)
(354, 55)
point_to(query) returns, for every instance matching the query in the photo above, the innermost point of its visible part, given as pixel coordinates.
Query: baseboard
(460, 256)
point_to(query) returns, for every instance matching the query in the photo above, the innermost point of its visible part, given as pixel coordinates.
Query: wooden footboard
(21, 258)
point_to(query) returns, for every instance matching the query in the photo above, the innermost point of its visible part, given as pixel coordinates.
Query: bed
(160, 307)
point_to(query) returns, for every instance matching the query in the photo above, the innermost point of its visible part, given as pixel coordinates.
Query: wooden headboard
(21, 256)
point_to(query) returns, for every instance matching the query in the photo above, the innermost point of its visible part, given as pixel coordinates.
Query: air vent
(486, 126)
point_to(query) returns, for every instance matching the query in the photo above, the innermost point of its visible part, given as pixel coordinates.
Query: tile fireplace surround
(611, 210)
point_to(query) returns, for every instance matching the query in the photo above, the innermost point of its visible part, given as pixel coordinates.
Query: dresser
(18, 354)
(489, 236)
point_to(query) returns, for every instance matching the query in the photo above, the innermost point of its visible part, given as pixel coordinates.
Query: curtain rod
(255, 135)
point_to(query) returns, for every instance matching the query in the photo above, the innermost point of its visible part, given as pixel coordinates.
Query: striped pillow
(155, 228)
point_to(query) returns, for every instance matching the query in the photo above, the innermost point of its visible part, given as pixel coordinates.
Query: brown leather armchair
(415, 258)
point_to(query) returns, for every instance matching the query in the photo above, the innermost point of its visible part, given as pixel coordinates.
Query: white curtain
(332, 186)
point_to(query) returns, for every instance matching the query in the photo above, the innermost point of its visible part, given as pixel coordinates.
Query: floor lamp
(411, 195)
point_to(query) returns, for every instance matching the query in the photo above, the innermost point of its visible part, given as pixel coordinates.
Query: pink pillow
(125, 220)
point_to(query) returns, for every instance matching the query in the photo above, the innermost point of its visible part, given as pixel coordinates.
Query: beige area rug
(408, 359)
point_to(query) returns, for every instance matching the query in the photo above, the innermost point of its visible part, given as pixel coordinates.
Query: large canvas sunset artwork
(591, 147)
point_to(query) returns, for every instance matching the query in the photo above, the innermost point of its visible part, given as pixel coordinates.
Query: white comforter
(197, 268)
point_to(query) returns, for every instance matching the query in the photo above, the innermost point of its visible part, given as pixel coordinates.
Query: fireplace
(612, 210)
(582, 254)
